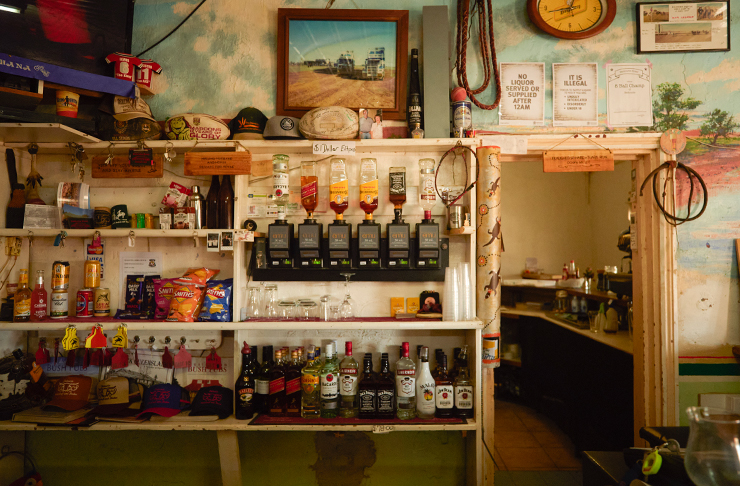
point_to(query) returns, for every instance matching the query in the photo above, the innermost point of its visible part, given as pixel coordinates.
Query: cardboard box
(412, 305)
(397, 306)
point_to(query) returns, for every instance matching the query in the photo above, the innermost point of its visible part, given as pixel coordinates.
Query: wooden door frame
(655, 354)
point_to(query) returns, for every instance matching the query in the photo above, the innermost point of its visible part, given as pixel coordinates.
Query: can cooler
(119, 216)
(67, 103)
(101, 305)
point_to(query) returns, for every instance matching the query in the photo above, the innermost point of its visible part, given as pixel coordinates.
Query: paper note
(629, 95)
(523, 93)
(575, 96)
(343, 147)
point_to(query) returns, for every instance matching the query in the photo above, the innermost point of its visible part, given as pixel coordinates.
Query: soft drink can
(59, 304)
(60, 275)
(92, 274)
(85, 303)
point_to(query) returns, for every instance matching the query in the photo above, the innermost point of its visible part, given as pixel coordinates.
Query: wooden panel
(578, 160)
(120, 168)
(228, 453)
(216, 163)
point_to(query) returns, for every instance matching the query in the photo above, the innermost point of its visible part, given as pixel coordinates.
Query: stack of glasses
(458, 303)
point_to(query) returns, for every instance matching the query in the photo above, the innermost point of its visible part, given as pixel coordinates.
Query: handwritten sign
(383, 429)
(343, 147)
(262, 168)
(120, 167)
(578, 160)
(218, 163)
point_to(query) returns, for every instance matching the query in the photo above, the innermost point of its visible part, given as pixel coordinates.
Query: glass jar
(712, 457)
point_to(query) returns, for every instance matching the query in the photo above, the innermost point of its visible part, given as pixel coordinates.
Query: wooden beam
(228, 454)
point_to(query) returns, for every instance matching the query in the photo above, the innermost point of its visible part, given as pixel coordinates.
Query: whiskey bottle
(22, 299)
(348, 369)
(425, 386)
(405, 386)
(463, 387)
(262, 381)
(276, 398)
(444, 391)
(455, 368)
(386, 390)
(293, 386)
(310, 385)
(367, 390)
(244, 387)
(437, 359)
(329, 383)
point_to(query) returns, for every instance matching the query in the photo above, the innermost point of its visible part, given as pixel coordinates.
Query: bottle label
(369, 192)
(405, 385)
(349, 382)
(329, 386)
(262, 387)
(385, 400)
(280, 184)
(309, 189)
(244, 395)
(22, 307)
(464, 397)
(398, 183)
(309, 382)
(462, 117)
(367, 165)
(367, 400)
(428, 192)
(339, 192)
(277, 386)
(425, 399)
(39, 308)
(293, 386)
(445, 396)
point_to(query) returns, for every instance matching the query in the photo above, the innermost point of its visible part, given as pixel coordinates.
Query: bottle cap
(348, 348)
(328, 349)
(424, 354)
(195, 189)
(246, 349)
(405, 349)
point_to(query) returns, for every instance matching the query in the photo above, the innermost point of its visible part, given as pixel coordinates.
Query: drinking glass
(712, 457)
(334, 312)
(271, 301)
(306, 309)
(325, 308)
(347, 307)
(253, 302)
(286, 310)
(593, 322)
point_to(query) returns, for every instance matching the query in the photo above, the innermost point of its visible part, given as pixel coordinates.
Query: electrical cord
(172, 31)
(671, 167)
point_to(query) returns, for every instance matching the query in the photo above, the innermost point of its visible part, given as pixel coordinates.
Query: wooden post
(228, 454)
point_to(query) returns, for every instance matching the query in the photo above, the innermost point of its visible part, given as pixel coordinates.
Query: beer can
(92, 274)
(462, 114)
(149, 220)
(59, 304)
(101, 306)
(85, 303)
(133, 220)
(60, 275)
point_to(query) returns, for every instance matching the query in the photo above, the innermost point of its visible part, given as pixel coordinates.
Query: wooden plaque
(578, 160)
(120, 168)
(218, 163)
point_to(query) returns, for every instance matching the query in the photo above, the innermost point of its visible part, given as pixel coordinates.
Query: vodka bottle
(425, 403)
(348, 370)
(427, 192)
(280, 183)
(330, 383)
(405, 386)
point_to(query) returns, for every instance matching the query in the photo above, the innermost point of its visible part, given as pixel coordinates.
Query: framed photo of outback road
(349, 58)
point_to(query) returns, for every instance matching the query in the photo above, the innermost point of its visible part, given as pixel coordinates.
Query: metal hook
(167, 340)
(196, 241)
(182, 340)
(110, 154)
(30, 238)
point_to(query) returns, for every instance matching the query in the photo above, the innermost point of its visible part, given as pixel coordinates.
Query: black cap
(18, 354)
(213, 400)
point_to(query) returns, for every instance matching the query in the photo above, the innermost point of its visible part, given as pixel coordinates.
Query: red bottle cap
(246, 349)
(405, 347)
(348, 348)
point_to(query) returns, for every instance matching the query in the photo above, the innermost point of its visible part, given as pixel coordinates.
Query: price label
(344, 147)
(383, 429)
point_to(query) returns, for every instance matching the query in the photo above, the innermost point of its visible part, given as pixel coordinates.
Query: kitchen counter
(621, 340)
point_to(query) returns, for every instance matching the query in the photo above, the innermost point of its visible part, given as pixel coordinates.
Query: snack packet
(134, 292)
(186, 302)
(164, 288)
(176, 195)
(198, 276)
(217, 301)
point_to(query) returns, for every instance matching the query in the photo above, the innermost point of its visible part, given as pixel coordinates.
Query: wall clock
(572, 19)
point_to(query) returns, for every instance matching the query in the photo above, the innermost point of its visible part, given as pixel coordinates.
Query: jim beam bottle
(463, 386)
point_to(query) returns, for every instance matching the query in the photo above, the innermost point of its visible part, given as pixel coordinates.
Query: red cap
(405, 347)
(71, 393)
(348, 348)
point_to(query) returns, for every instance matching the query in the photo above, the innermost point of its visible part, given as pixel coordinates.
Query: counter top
(621, 340)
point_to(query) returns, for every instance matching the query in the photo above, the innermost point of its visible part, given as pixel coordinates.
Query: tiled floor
(528, 446)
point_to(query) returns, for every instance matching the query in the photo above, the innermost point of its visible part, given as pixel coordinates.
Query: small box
(412, 305)
(165, 218)
(397, 306)
(181, 219)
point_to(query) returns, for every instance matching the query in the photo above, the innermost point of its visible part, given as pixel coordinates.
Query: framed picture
(350, 58)
(683, 26)
(227, 241)
(371, 123)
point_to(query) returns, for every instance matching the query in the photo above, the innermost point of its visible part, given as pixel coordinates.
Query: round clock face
(572, 19)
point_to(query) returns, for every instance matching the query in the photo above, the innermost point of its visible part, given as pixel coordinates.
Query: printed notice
(523, 96)
(575, 94)
(628, 95)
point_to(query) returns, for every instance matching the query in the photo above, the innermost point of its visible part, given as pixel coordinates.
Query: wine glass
(712, 456)
(347, 307)
(253, 302)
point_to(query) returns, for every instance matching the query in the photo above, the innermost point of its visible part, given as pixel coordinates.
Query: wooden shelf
(598, 296)
(113, 233)
(19, 135)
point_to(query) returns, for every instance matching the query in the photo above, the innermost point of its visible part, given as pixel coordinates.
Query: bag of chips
(164, 288)
(198, 276)
(186, 302)
(217, 302)
(134, 292)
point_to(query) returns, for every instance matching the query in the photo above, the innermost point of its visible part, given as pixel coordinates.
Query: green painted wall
(688, 393)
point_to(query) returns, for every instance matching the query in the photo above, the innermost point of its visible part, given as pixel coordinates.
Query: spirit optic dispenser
(340, 232)
(309, 232)
(398, 231)
(368, 232)
(280, 233)
(427, 232)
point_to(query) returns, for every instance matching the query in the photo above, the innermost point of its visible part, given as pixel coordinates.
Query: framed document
(683, 26)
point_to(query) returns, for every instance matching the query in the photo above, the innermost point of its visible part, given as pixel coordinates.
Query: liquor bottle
(444, 391)
(226, 204)
(39, 301)
(417, 132)
(276, 398)
(368, 187)
(367, 390)
(427, 192)
(22, 299)
(244, 387)
(414, 109)
(463, 387)
(309, 187)
(329, 383)
(197, 201)
(437, 360)
(293, 386)
(280, 183)
(348, 370)
(254, 365)
(425, 385)
(397, 189)
(262, 381)
(339, 188)
(386, 387)
(212, 204)
(405, 386)
(311, 386)
(455, 369)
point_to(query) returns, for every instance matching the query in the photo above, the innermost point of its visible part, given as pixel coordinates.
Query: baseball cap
(282, 127)
(248, 124)
(213, 400)
(125, 109)
(165, 400)
(71, 393)
(116, 395)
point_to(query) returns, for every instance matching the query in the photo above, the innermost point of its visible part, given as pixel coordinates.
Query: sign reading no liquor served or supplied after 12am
(575, 94)
(523, 98)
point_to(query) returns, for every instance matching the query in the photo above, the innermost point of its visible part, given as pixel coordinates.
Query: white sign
(137, 263)
(509, 144)
(383, 429)
(523, 93)
(343, 147)
(575, 94)
(628, 95)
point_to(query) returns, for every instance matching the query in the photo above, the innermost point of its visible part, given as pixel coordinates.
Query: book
(39, 416)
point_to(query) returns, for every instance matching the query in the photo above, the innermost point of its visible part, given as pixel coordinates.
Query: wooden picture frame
(328, 61)
(683, 26)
